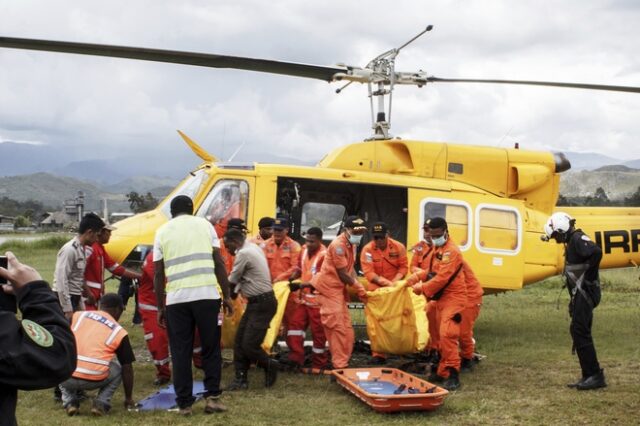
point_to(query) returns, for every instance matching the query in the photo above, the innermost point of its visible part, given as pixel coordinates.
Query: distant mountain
(590, 160)
(618, 183)
(159, 187)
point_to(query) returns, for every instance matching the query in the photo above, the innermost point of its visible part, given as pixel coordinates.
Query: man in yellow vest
(186, 253)
(99, 339)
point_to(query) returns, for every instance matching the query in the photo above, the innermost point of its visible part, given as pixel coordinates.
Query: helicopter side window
(456, 213)
(498, 229)
(229, 198)
(327, 217)
(189, 187)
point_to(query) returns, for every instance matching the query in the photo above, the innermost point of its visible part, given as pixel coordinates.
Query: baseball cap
(280, 223)
(109, 227)
(355, 222)
(437, 223)
(379, 228)
(236, 223)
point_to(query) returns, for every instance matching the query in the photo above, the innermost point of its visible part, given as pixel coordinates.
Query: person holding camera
(39, 351)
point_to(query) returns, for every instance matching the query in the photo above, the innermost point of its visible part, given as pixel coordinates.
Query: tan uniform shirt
(68, 278)
(250, 271)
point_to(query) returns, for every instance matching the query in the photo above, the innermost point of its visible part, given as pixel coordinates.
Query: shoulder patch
(585, 238)
(446, 257)
(368, 257)
(339, 250)
(37, 333)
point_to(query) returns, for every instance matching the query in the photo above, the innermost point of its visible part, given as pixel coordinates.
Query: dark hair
(181, 205)
(266, 222)
(438, 223)
(234, 234)
(90, 221)
(315, 231)
(111, 300)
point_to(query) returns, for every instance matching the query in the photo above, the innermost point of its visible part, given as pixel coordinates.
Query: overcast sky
(108, 106)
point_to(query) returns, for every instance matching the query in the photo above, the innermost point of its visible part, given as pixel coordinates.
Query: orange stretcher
(388, 390)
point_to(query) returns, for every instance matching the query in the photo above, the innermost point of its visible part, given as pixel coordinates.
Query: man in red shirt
(154, 336)
(306, 311)
(331, 282)
(97, 261)
(383, 261)
(446, 285)
(283, 254)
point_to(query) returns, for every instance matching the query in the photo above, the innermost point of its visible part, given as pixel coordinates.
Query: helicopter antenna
(383, 72)
(236, 152)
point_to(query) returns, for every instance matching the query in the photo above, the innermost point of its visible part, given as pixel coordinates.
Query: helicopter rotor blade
(319, 72)
(539, 83)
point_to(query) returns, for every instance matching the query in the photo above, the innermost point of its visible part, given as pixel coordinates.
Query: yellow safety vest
(187, 253)
(98, 336)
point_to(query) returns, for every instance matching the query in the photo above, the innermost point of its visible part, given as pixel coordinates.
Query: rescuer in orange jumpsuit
(336, 273)
(469, 316)
(383, 262)
(421, 262)
(448, 287)
(283, 254)
(265, 231)
(306, 310)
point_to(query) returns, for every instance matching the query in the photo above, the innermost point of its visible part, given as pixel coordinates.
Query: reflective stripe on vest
(98, 336)
(187, 253)
(94, 284)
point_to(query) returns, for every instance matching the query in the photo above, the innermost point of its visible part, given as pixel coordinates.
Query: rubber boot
(239, 383)
(593, 382)
(433, 375)
(452, 382)
(466, 365)
(271, 373)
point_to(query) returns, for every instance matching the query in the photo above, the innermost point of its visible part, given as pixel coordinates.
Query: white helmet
(559, 222)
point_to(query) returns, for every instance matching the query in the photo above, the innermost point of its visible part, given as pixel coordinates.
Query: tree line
(600, 199)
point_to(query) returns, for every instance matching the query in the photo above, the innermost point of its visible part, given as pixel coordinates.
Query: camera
(7, 301)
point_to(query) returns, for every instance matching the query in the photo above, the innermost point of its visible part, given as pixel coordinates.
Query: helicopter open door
(490, 236)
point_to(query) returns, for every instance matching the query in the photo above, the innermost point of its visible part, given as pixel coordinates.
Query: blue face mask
(355, 239)
(439, 242)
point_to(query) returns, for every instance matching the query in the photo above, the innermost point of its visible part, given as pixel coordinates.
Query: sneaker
(186, 411)
(213, 405)
(72, 410)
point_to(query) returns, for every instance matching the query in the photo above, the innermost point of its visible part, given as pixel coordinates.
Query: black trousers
(580, 328)
(251, 331)
(182, 319)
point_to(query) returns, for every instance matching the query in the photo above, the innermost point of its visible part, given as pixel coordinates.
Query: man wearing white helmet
(582, 259)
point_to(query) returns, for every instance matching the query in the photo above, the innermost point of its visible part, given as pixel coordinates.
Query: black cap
(437, 223)
(236, 223)
(181, 204)
(427, 224)
(266, 222)
(280, 223)
(354, 222)
(379, 228)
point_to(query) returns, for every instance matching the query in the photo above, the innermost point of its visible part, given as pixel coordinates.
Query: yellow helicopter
(496, 200)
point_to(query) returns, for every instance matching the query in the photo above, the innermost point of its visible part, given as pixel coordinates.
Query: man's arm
(158, 288)
(64, 264)
(40, 351)
(127, 385)
(221, 272)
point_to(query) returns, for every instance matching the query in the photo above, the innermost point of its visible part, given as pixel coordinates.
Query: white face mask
(355, 239)
(439, 242)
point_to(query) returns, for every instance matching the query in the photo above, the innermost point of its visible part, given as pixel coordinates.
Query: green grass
(522, 381)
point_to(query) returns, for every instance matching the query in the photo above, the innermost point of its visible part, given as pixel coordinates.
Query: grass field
(522, 380)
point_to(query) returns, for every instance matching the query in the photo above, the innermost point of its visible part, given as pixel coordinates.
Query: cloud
(103, 106)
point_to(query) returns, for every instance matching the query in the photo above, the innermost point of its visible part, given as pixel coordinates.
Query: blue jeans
(107, 386)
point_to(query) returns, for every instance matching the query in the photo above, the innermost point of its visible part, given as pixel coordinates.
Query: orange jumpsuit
(421, 261)
(227, 257)
(306, 313)
(387, 263)
(471, 312)
(333, 299)
(259, 241)
(447, 261)
(283, 259)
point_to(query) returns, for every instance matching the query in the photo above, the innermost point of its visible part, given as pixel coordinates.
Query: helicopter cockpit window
(229, 198)
(327, 217)
(189, 187)
(457, 216)
(498, 229)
